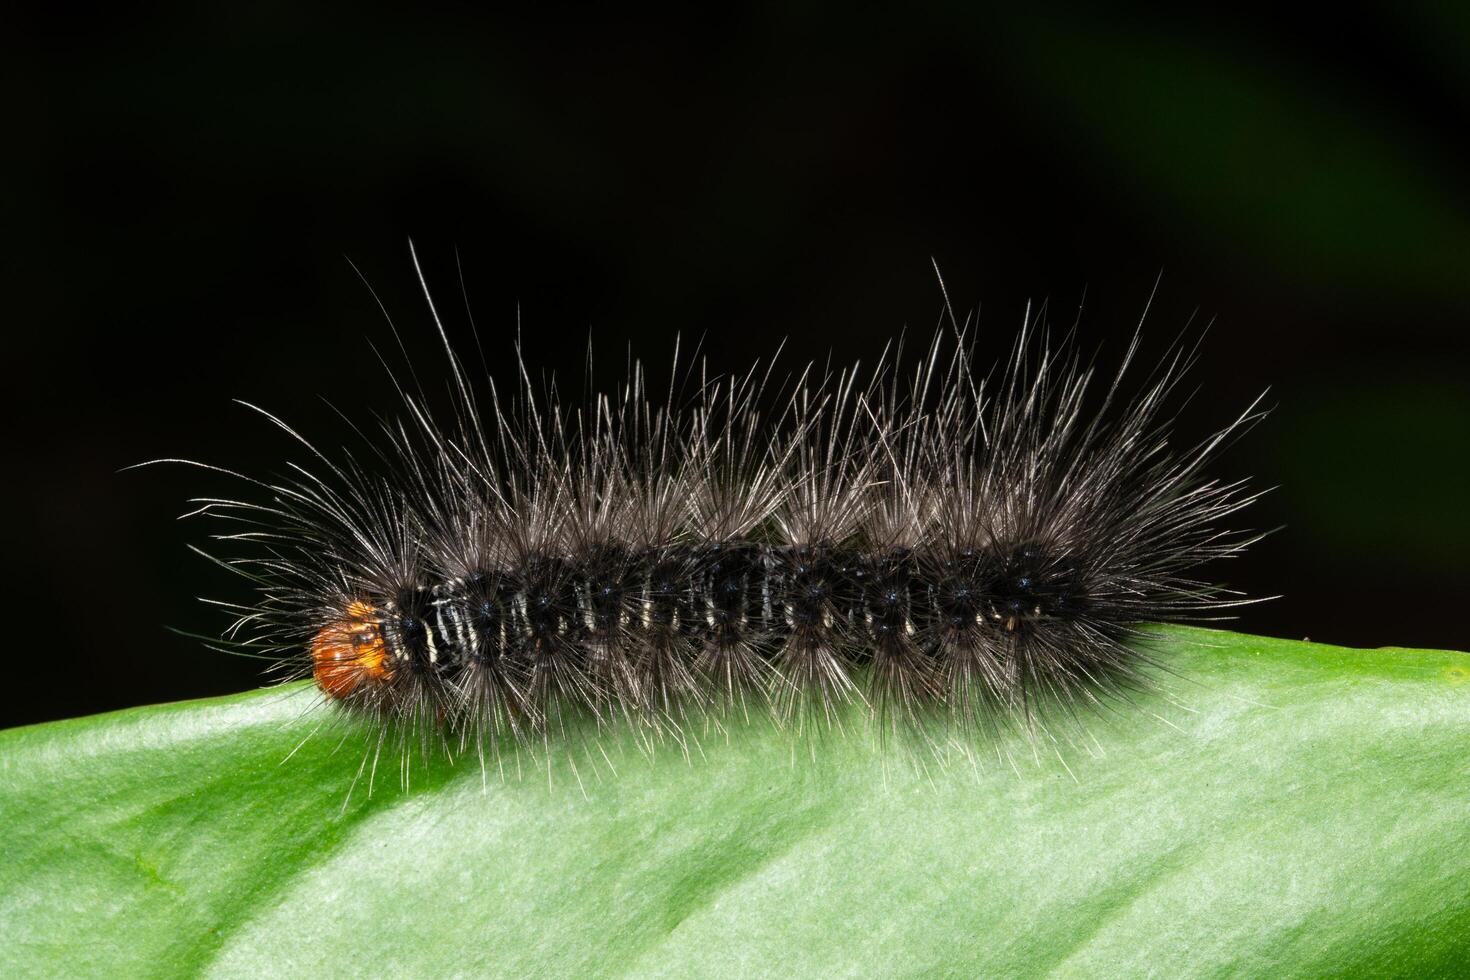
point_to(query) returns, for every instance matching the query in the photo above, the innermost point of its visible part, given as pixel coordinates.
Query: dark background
(184, 192)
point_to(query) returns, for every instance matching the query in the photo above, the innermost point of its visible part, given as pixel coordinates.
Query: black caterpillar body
(926, 541)
(720, 612)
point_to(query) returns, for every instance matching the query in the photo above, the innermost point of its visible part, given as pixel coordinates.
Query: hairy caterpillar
(924, 540)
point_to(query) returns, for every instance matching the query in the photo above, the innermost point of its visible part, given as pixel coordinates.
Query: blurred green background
(185, 189)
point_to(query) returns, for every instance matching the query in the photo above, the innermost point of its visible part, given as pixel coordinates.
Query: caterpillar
(925, 540)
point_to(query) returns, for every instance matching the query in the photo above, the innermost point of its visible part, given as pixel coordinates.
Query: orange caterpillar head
(348, 653)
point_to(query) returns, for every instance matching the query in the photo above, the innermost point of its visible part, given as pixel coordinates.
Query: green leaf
(1277, 808)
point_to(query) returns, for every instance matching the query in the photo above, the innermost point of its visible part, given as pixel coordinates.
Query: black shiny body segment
(756, 594)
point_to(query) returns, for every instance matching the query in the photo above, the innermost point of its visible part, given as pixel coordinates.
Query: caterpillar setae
(924, 540)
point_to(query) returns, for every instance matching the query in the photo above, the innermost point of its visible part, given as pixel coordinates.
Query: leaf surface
(1275, 808)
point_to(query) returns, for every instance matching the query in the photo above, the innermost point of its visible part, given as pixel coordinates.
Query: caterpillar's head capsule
(349, 653)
